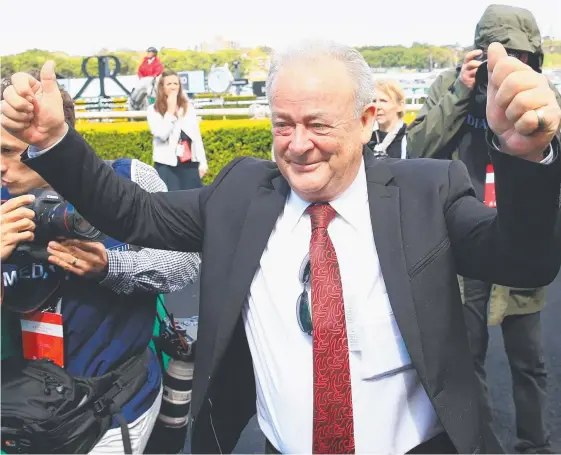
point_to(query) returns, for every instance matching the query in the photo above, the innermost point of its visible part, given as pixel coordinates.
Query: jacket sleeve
(440, 118)
(160, 126)
(518, 243)
(149, 270)
(119, 207)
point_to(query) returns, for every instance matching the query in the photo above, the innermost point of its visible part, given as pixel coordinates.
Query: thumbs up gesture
(521, 106)
(32, 110)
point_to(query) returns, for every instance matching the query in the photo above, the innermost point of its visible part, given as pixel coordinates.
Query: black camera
(482, 73)
(54, 218)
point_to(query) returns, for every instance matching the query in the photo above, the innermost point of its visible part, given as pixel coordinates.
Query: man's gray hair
(310, 50)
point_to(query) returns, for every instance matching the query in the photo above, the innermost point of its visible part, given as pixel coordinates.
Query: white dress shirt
(392, 413)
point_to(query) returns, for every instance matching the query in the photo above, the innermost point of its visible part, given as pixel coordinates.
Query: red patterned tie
(333, 405)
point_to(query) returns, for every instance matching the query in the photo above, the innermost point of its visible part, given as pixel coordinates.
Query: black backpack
(44, 409)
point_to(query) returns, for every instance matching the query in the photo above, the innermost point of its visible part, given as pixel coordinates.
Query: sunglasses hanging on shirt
(303, 307)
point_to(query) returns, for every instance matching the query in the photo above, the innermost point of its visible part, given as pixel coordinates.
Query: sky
(88, 27)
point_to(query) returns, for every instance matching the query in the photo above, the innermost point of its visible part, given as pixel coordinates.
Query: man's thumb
(495, 52)
(48, 77)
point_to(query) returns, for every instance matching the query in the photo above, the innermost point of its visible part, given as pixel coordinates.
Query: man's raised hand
(521, 106)
(32, 110)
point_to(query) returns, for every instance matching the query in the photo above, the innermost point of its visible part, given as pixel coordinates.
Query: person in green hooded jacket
(452, 125)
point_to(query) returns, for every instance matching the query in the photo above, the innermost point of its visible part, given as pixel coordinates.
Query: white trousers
(140, 431)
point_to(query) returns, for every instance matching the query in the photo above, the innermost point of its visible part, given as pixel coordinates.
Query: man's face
(16, 176)
(151, 54)
(317, 136)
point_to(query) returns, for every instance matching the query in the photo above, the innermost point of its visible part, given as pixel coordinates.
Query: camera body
(54, 218)
(482, 74)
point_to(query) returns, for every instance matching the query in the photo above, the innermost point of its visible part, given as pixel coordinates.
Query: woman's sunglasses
(303, 313)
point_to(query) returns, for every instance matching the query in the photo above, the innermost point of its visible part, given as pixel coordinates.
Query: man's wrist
(544, 157)
(54, 138)
(102, 274)
(536, 157)
(461, 90)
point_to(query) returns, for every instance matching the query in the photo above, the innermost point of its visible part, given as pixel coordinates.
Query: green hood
(515, 28)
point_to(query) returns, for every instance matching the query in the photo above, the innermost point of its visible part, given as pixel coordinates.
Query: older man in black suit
(329, 299)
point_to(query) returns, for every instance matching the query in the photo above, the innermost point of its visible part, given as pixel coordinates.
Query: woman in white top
(389, 136)
(179, 155)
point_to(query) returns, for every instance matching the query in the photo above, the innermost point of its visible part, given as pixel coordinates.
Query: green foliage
(174, 59)
(552, 60)
(418, 56)
(179, 60)
(223, 145)
(223, 141)
(117, 143)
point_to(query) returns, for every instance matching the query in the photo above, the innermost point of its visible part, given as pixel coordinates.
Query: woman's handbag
(185, 153)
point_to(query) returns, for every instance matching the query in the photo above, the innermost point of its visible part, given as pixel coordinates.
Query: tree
(417, 56)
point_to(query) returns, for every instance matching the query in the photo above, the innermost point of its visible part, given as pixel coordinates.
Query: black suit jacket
(428, 228)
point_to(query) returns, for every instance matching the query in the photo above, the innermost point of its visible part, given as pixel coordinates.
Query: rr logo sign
(103, 71)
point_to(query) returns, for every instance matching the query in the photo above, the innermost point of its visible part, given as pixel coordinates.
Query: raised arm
(116, 205)
(518, 243)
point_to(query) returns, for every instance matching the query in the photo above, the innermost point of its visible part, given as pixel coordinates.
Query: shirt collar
(348, 205)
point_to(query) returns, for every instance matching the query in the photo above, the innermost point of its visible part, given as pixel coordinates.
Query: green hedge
(223, 141)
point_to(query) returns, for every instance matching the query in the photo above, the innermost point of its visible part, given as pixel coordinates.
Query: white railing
(142, 114)
(242, 111)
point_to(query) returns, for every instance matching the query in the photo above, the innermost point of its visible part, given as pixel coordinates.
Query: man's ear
(367, 121)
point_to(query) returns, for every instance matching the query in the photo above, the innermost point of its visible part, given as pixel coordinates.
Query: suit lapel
(385, 215)
(264, 210)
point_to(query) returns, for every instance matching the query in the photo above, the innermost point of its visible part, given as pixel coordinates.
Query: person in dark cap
(151, 65)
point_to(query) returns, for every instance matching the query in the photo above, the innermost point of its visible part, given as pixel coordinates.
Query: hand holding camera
(472, 61)
(44, 226)
(17, 223)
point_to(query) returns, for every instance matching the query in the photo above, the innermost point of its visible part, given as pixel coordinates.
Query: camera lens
(81, 226)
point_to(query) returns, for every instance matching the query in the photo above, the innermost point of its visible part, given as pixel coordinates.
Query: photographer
(453, 125)
(103, 291)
